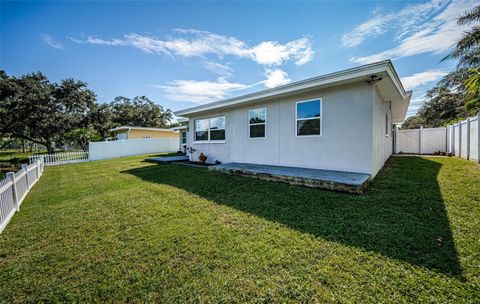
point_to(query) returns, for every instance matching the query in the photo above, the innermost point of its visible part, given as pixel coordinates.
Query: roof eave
(332, 79)
(401, 109)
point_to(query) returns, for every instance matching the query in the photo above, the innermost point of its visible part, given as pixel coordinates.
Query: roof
(390, 87)
(183, 127)
(128, 128)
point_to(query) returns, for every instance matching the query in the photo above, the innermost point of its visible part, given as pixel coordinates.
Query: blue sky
(187, 53)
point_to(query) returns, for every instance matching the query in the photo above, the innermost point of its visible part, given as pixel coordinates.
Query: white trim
(257, 124)
(209, 142)
(209, 129)
(320, 118)
(127, 128)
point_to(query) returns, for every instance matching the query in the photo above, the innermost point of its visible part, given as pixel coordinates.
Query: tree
(81, 137)
(472, 86)
(139, 111)
(100, 119)
(413, 122)
(33, 108)
(457, 95)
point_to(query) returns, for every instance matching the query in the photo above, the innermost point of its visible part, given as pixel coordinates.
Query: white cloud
(218, 68)
(275, 78)
(203, 91)
(415, 105)
(421, 78)
(51, 42)
(200, 92)
(435, 35)
(274, 53)
(188, 43)
(404, 21)
(194, 43)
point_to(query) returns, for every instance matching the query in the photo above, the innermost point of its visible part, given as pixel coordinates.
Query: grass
(128, 231)
(16, 155)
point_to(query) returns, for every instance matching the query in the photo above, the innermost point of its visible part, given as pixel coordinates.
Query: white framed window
(184, 137)
(257, 122)
(308, 117)
(210, 129)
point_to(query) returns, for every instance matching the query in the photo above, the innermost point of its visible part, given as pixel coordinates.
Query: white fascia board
(126, 128)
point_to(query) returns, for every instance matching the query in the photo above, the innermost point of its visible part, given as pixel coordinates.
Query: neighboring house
(182, 130)
(340, 121)
(128, 132)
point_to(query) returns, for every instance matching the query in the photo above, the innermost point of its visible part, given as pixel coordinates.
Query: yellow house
(128, 132)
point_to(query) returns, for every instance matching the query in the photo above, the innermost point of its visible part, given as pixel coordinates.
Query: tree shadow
(402, 215)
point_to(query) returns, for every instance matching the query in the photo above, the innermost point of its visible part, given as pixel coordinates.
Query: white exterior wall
(346, 142)
(382, 143)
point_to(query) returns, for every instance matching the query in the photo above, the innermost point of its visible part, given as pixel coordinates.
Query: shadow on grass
(402, 216)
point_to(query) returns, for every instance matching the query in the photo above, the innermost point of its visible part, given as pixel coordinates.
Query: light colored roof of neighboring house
(179, 127)
(390, 87)
(182, 119)
(127, 128)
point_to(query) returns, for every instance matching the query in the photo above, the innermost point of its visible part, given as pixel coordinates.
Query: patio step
(351, 182)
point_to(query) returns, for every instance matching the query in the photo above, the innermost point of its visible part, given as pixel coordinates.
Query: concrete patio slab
(167, 159)
(351, 182)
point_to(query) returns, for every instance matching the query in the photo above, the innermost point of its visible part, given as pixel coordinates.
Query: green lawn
(128, 231)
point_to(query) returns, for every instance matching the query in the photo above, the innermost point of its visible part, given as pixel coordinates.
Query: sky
(182, 54)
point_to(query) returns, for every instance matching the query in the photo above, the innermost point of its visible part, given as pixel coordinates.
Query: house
(341, 121)
(129, 132)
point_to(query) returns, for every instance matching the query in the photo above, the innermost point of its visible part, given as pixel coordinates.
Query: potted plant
(202, 158)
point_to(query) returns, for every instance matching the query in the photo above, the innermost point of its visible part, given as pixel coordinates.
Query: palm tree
(467, 49)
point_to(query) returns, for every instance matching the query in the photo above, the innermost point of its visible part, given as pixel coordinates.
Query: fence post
(460, 139)
(468, 138)
(447, 135)
(478, 137)
(11, 176)
(37, 164)
(420, 139)
(24, 168)
(396, 139)
(453, 139)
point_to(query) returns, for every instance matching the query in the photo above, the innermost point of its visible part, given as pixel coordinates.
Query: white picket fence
(461, 139)
(15, 188)
(60, 158)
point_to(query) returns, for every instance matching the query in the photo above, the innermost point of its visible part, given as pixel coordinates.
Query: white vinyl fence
(129, 147)
(60, 158)
(15, 188)
(461, 139)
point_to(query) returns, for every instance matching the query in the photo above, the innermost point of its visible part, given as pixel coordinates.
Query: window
(210, 129)
(184, 137)
(257, 120)
(308, 118)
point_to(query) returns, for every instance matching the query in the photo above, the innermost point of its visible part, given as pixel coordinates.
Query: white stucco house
(340, 121)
